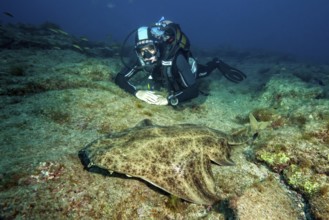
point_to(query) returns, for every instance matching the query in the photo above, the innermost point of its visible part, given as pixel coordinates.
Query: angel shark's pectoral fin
(227, 162)
(199, 181)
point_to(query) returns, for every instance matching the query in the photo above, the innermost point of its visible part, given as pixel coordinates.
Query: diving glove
(151, 98)
(230, 73)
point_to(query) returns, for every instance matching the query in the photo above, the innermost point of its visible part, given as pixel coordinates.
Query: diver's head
(146, 46)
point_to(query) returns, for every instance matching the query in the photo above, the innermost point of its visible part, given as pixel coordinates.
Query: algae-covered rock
(267, 200)
(300, 153)
(287, 91)
(320, 204)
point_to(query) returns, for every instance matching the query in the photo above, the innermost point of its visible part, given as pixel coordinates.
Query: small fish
(8, 14)
(77, 47)
(83, 39)
(53, 30)
(56, 48)
(62, 32)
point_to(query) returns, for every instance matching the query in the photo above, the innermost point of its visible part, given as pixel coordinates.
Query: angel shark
(175, 158)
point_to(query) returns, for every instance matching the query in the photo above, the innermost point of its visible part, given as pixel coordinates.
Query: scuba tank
(169, 33)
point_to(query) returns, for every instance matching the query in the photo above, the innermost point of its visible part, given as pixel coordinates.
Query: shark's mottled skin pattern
(175, 158)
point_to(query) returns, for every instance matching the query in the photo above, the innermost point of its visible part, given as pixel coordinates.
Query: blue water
(298, 27)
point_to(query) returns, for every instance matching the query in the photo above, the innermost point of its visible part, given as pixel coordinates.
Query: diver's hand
(151, 98)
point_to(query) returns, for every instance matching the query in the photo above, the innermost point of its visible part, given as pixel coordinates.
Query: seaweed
(280, 122)
(17, 70)
(303, 180)
(26, 89)
(58, 116)
(175, 204)
(263, 114)
(318, 136)
(299, 120)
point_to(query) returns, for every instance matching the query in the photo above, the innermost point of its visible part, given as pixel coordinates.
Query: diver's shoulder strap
(167, 68)
(166, 63)
(167, 71)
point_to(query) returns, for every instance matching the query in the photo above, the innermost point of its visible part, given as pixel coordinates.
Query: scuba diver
(163, 52)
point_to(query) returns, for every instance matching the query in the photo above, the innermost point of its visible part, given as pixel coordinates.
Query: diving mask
(148, 53)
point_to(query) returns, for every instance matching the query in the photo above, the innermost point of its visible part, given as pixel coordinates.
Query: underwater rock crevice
(297, 194)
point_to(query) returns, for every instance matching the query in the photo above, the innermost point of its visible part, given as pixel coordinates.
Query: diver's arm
(122, 80)
(123, 77)
(183, 95)
(190, 89)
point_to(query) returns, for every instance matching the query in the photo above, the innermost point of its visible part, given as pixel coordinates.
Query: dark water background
(297, 27)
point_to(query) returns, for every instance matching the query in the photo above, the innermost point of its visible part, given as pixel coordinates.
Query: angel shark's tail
(249, 133)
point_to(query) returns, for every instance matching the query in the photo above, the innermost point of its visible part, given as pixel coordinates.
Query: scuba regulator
(163, 33)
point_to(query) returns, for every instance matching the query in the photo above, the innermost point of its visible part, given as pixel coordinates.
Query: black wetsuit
(183, 80)
(173, 69)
